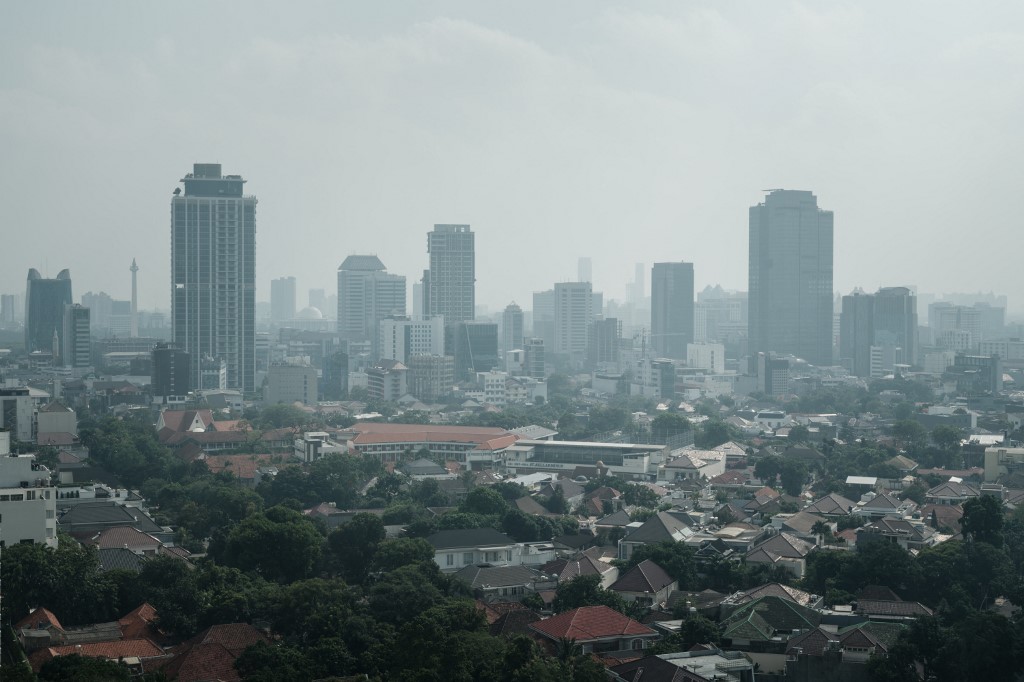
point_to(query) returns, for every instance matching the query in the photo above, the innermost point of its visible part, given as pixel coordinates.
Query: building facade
(172, 374)
(790, 277)
(282, 300)
(76, 342)
(44, 309)
(402, 338)
(511, 328)
(573, 313)
(671, 309)
(213, 273)
(367, 294)
(449, 286)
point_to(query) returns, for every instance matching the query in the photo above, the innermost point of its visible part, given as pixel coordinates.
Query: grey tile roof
(662, 527)
(119, 558)
(471, 537)
(497, 576)
(646, 576)
(106, 514)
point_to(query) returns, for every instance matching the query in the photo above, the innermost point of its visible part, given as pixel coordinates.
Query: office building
(709, 357)
(511, 328)
(671, 309)
(9, 309)
(44, 309)
(367, 294)
(585, 269)
(857, 333)
(282, 300)
(291, 382)
(402, 338)
(431, 376)
(574, 311)
(956, 327)
(475, 346)
(76, 342)
(790, 277)
(544, 316)
(533, 360)
(604, 342)
(896, 322)
(28, 500)
(213, 273)
(172, 375)
(772, 375)
(449, 286)
(387, 380)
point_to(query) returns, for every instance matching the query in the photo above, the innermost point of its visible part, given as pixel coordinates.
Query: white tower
(135, 300)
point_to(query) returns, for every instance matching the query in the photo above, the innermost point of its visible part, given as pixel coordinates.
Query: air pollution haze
(625, 132)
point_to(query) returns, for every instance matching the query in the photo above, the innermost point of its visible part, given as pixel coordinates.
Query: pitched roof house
(647, 584)
(597, 629)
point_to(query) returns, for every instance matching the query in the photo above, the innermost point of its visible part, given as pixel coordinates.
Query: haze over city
(624, 133)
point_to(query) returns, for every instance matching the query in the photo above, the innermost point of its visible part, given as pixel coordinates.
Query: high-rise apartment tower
(790, 273)
(213, 273)
(671, 309)
(449, 286)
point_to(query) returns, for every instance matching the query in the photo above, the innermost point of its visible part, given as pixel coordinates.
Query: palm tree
(822, 530)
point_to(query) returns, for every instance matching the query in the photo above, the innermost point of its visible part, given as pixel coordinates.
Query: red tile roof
(138, 623)
(38, 619)
(590, 623)
(243, 467)
(211, 654)
(374, 432)
(140, 648)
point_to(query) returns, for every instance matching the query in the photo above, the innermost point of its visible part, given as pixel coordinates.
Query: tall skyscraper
(512, 327)
(475, 346)
(282, 300)
(857, 332)
(790, 275)
(367, 294)
(574, 311)
(585, 269)
(671, 309)
(213, 273)
(44, 309)
(449, 286)
(135, 300)
(896, 321)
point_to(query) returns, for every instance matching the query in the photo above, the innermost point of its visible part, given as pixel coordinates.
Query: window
(467, 557)
(451, 559)
(49, 513)
(637, 644)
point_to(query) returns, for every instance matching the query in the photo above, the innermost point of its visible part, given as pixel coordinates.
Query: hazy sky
(625, 132)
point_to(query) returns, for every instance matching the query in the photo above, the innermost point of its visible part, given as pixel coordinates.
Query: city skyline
(433, 115)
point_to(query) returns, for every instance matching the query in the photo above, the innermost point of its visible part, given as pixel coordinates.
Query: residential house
(456, 549)
(763, 626)
(952, 492)
(909, 535)
(602, 501)
(661, 527)
(840, 655)
(566, 569)
(831, 506)
(801, 597)
(211, 654)
(693, 465)
(698, 665)
(784, 550)
(802, 525)
(504, 583)
(646, 584)
(596, 629)
(876, 506)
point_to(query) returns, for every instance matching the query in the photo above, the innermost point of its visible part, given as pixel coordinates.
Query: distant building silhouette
(213, 274)
(790, 273)
(44, 309)
(671, 309)
(512, 328)
(449, 286)
(282, 300)
(367, 294)
(76, 341)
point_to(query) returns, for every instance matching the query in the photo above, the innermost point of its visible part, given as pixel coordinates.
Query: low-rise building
(28, 501)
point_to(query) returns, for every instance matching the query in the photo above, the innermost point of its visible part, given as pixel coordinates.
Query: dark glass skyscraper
(44, 310)
(671, 309)
(790, 271)
(213, 273)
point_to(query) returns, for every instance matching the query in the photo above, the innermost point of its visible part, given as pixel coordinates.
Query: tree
(675, 558)
(668, 425)
(484, 501)
(393, 554)
(713, 433)
(799, 434)
(585, 590)
(768, 468)
(280, 544)
(354, 544)
(556, 502)
(281, 416)
(947, 437)
(694, 629)
(794, 475)
(909, 434)
(983, 520)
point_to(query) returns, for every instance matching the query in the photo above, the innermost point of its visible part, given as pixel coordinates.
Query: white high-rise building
(706, 356)
(402, 338)
(449, 286)
(574, 311)
(366, 295)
